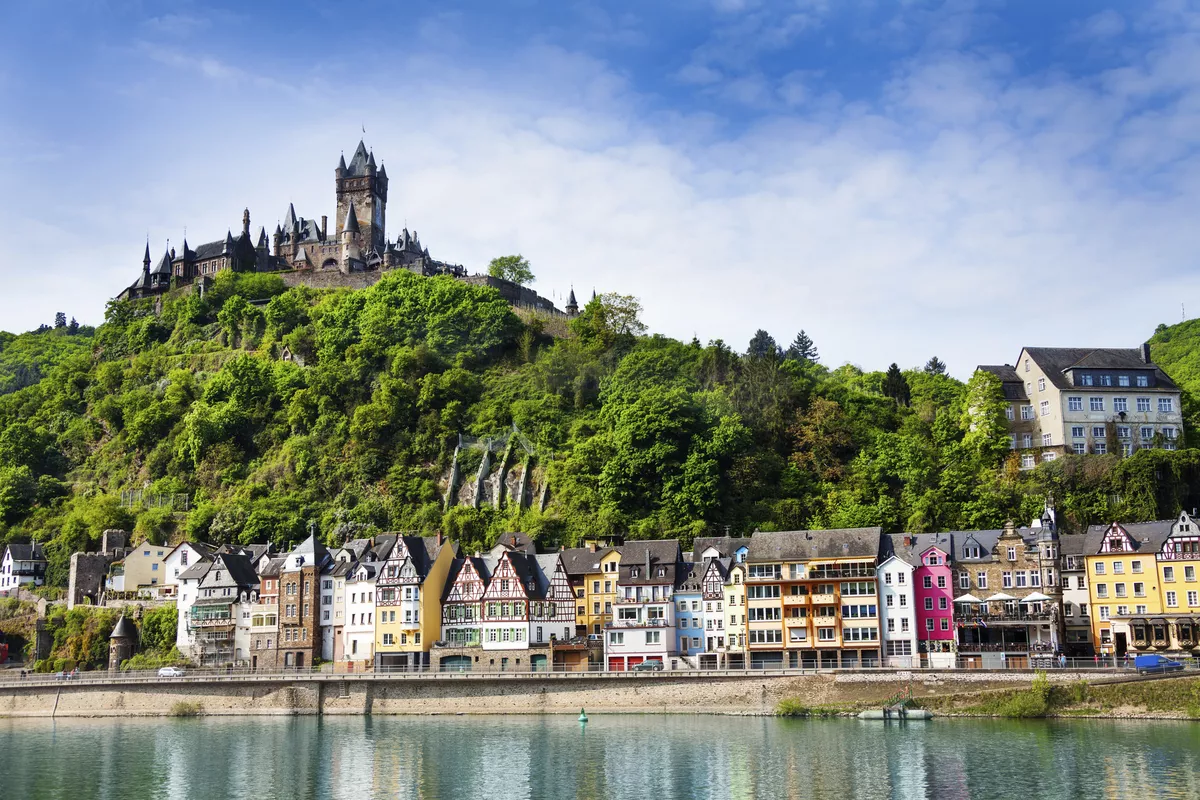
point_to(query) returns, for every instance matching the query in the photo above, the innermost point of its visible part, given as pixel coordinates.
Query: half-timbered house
(408, 598)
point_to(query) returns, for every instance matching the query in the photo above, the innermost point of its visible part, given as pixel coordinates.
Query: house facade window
(1166, 405)
(1041, 384)
(1075, 404)
(1045, 407)
(1096, 403)
(1120, 404)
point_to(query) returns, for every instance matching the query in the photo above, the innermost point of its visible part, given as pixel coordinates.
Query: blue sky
(900, 179)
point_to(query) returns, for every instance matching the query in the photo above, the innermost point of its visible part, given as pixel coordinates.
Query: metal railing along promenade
(16, 678)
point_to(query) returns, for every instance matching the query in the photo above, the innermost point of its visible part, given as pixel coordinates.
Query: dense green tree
(511, 268)
(935, 366)
(762, 345)
(895, 385)
(802, 348)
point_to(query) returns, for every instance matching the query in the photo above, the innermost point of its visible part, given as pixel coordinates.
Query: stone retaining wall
(464, 694)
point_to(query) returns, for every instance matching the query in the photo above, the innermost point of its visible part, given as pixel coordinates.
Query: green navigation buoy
(582, 716)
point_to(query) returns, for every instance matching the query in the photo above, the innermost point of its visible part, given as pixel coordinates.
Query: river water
(614, 756)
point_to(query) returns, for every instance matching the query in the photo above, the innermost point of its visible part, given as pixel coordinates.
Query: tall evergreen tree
(72, 327)
(895, 385)
(762, 345)
(60, 320)
(935, 366)
(803, 349)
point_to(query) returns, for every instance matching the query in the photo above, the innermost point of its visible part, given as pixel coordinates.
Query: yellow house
(143, 568)
(735, 617)
(1124, 585)
(592, 571)
(408, 601)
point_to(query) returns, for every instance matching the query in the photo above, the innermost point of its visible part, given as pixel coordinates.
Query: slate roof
(526, 568)
(690, 576)
(1148, 537)
(272, 568)
(359, 162)
(203, 548)
(163, 267)
(1005, 372)
(27, 552)
(383, 547)
(351, 220)
(517, 541)
(1073, 544)
(196, 571)
(124, 629)
(806, 545)
(726, 545)
(1055, 361)
(481, 569)
(240, 570)
(663, 553)
(908, 547)
(579, 561)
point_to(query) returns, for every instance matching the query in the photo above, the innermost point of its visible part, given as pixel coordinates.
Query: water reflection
(614, 756)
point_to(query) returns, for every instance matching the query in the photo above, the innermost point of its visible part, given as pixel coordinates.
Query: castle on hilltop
(304, 253)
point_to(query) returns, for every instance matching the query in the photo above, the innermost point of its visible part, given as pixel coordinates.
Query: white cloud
(973, 211)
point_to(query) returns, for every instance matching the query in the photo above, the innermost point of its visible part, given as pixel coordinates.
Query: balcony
(660, 622)
(769, 577)
(825, 621)
(796, 600)
(823, 600)
(1013, 618)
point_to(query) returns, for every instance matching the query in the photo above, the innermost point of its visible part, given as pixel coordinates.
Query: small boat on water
(898, 712)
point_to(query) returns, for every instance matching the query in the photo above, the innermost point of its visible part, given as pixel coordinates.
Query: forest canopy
(268, 407)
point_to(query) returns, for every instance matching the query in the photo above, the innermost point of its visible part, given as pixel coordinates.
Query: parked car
(171, 672)
(652, 665)
(1145, 664)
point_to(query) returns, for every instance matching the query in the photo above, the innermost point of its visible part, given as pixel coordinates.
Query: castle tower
(362, 185)
(351, 235)
(121, 643)
(572, 306)
(246, 223)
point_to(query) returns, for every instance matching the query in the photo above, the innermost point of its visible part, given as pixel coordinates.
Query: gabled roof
(1056, 361)
(725, 545)
(456, 567)
(240, 570)
(164, 265)
(1148, 537)
(526, 568)
(205, 550)
(579, 561)
(27, 552)
(272, 568)
(1073, 544)
(689, 577)
(313, 551)
(654, 553)
(383, 547)
(517, 541)
(196, 571)
(807, 545)
(1007, 373)
(908, 547)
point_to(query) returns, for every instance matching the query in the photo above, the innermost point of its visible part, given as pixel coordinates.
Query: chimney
(440, 538)
(647, 562)
(324, 226)
(591, 546)
(1146, 352)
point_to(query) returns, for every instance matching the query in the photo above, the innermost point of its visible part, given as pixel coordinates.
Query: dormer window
(633, 572)
(662, 571)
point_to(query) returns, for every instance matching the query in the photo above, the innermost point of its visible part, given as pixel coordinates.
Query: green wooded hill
(639, 435)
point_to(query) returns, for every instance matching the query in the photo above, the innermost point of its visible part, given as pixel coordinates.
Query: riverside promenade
(100, 694)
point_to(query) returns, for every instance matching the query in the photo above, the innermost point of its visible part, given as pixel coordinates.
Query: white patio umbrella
(999, 596)
(1036, 597)
(967, 598)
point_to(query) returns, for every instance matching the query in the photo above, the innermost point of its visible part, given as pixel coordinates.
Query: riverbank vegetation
(242, 415)
(1176, 697)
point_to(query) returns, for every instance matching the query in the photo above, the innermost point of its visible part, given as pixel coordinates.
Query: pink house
(933, 587)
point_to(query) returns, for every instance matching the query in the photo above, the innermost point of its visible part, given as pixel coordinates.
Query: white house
(359, 630)
(643, 626)
(23, 565)
(897, 609)
(188, 582)
(183, 557)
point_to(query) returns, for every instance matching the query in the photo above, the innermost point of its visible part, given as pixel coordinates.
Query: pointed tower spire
(146, 258)
(342, 162)
(572, 306)
(351, 225)
(228, 243)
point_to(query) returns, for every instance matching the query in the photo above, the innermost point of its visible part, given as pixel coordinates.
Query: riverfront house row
(848, 597)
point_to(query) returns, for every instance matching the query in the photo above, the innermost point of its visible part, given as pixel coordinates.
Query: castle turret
(146, 261)
(278, 240)
(572, 306)
(246, 223)
(362, 184)
(351, 236)
(121, 643)
(228, 248)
